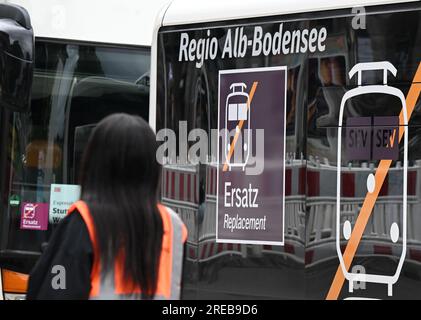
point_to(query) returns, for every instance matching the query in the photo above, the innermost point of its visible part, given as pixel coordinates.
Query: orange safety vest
(112, 285)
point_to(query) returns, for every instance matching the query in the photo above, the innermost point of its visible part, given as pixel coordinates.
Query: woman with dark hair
(118, 241)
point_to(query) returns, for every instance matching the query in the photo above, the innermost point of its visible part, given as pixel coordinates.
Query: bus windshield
(75, 85)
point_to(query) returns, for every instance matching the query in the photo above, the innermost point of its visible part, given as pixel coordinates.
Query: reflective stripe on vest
(111, 286)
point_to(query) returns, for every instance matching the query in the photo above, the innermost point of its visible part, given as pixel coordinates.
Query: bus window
(75, 85)
(316, 82)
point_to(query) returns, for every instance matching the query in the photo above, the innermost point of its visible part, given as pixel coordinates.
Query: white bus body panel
(196, 11)
(127, 22)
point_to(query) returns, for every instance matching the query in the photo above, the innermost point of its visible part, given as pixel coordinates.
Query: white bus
(319, 42)
(87, 59)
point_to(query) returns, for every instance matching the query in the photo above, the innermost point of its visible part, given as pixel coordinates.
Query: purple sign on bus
(34, 216)
(251, 154)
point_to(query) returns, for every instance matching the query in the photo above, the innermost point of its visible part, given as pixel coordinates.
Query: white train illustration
(346, 229)
(237, 111)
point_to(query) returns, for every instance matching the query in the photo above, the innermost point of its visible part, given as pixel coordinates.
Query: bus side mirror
(16, 58)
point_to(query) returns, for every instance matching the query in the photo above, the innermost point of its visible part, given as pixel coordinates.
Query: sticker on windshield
(14, 200)
(34, 216)
(61, 198)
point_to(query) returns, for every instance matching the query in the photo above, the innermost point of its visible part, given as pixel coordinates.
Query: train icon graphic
(344, 230)
(29, 211)
(237, 111)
